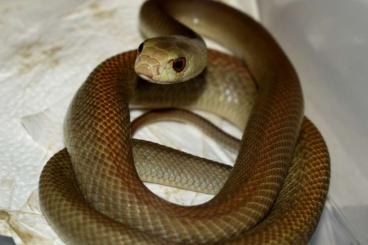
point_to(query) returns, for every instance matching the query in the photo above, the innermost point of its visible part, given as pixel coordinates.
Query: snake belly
(91, 193)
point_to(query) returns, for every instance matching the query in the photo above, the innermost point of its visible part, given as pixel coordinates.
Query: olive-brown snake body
(275, 191)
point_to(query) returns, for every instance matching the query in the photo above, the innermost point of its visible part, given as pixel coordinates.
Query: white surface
(48, 48)
(327, 40)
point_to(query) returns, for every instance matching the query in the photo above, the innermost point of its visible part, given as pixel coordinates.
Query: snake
(92, 191)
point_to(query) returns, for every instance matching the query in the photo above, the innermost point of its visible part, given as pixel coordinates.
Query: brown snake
(91, 193)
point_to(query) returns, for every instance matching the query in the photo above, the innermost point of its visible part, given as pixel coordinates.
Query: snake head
(170, 59)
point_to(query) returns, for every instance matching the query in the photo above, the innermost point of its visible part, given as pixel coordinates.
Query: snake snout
(144, 70)
(146, 67)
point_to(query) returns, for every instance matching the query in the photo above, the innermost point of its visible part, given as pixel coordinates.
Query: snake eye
(140, 48)
(179, 64)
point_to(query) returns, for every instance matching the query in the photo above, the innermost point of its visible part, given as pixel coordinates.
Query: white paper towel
(48, 49)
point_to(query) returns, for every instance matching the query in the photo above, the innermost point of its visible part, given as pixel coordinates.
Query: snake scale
(91, 192)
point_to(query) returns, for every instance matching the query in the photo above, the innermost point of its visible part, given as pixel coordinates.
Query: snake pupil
(179, 64)
(140, 48)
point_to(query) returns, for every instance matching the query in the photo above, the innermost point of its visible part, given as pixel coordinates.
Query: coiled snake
(91, 193)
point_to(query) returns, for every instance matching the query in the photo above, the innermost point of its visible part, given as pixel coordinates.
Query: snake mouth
(146, 78)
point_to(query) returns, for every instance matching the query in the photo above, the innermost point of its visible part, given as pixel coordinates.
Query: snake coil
(91, 193)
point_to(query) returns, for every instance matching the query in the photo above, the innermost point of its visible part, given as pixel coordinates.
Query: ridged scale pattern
(92, 194)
